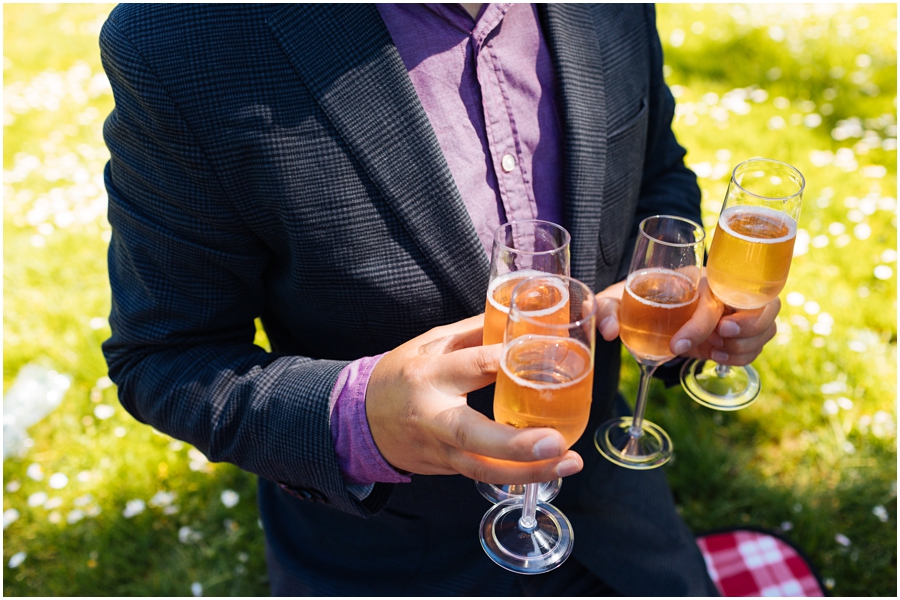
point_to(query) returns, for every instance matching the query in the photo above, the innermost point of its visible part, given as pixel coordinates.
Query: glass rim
(595, 307)
(655, 240)
(567, 237)
(761, 159)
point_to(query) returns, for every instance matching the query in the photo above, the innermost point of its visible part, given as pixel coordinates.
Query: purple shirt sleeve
(358, 456)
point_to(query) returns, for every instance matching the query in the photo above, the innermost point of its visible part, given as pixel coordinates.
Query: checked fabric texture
(745, 563)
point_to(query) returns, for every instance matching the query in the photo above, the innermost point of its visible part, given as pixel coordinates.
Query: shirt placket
(506, 157)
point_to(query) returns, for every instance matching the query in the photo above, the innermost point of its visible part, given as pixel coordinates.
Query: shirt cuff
(358, 456)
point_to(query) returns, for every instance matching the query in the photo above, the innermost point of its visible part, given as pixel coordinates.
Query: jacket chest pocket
(627, 146)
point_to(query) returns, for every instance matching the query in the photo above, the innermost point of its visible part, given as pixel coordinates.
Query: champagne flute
(520, 249)
(748, 265)
(661, 294)
(545, 380)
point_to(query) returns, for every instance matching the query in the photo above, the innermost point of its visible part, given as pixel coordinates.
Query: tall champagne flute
(661, 294)
(748, 265)
(520, 249)
(545, 380)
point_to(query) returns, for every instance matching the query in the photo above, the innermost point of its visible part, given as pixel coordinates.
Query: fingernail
(718, 356)
(729, 329)
(682, 346)
(547, 447)
(567, 467)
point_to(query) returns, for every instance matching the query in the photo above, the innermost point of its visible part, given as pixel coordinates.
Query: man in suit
(307, 165)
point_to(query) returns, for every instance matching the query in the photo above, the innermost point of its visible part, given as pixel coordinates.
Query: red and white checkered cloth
(752, 563)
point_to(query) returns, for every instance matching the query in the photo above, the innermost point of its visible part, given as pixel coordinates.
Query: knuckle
(480, 472)
(487, 363)
(776, 305)
(532, 473)
(414, 371)
(538, 474)
(437, 331)
(691, 330)
(607, 306)
(734, 346)
(438, 345)
(746, 360)
(522, 447)
(461, 437)
(441, 457)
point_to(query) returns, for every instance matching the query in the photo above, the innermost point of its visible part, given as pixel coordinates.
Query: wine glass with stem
(748, 264)
(661, 294)
(520, 249)
(545, 380)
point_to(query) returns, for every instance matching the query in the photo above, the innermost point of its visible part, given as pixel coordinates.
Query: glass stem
(643, 387)
(527, 522)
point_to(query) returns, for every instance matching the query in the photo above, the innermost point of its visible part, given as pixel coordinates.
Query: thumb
(608, 302)
(468, 369)
(701, 324)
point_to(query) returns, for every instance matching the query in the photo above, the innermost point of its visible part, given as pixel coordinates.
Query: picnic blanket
(754, 562)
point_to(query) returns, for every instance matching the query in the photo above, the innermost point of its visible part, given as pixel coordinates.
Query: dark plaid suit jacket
(274, 161)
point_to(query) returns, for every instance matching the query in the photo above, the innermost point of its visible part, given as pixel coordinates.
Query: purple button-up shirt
(488, 89)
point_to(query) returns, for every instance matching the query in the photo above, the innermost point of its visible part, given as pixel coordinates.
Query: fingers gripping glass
(545, 380)
(748, 265)
(661, 294)
(520, 249)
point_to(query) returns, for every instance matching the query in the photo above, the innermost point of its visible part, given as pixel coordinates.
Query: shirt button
(508, 163)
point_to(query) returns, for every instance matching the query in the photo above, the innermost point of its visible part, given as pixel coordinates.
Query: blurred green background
(96, 504)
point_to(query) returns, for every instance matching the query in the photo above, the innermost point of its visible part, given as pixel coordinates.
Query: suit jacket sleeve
(667, 186)
(186, 278)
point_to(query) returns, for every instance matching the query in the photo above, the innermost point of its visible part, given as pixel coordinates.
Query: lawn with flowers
(96, 504)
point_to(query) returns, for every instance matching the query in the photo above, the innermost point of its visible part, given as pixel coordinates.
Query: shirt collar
(488, 19)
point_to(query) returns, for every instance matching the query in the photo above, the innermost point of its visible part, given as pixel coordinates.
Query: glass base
(648, 449)
(720, 388)
(528, 551)
(547, 491)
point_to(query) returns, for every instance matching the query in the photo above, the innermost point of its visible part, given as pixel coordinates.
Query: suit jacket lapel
(575, 46)
(345, 56)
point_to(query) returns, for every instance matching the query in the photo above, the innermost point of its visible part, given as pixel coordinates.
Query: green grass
(785, 461)
(814, 456)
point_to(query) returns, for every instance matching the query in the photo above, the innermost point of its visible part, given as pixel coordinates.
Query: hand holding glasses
(661, 294)
(748, 265)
